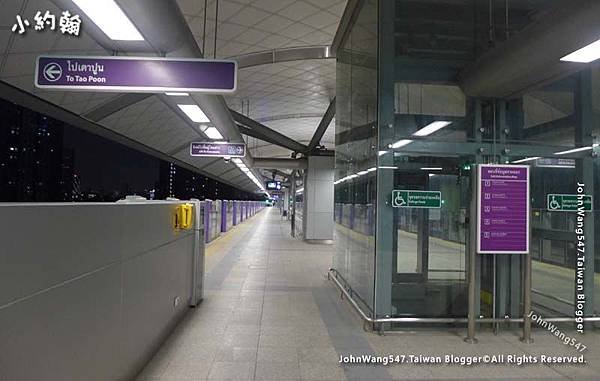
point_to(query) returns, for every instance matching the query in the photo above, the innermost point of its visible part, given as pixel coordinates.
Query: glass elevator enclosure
(407, 127)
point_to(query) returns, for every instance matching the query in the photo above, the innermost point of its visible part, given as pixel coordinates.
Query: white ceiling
(289, 97)
(279, 95)
(274, 91)
(247, 26)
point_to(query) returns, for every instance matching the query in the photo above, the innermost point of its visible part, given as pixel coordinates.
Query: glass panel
(356, 150)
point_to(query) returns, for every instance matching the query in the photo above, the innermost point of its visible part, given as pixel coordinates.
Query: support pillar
(317, 212)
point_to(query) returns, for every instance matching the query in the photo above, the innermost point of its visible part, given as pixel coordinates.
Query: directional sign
(555, 162)
(416, 199)
(568, 202)
(273, 185)
(136, 74)
(218, 149)
(503, 209)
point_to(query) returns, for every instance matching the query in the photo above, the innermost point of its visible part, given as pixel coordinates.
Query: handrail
(333, 275)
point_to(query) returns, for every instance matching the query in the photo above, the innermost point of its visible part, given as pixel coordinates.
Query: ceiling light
(432, 127)
(213, 133)
(385, 167)
(381, 153)
(401, 143)
(237, 160)
(431, 174)
(178, 94)
(586, 54)
(372, 169)
(575, 150)
(432, 169)
(194, 113)
(362, 173)
(525, 160)
(109, 17)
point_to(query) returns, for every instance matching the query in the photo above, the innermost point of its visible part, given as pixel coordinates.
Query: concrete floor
(270, 314)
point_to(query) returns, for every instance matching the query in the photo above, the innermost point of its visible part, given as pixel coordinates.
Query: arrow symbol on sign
(52, 72)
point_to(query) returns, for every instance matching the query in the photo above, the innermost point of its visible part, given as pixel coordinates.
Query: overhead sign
(503, 209)
(555, 162)
(218, 149)
(135, 74)
(416, 199)
(568, 203)
(273, 185)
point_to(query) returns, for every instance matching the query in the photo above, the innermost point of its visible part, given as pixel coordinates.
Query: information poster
(503, 209)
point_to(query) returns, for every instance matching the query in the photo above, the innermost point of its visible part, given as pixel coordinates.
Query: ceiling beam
(346, 22)
(323, 125)
(256, 134)
(510, 69)
(274, 136)
(114, 105)
(276, 163)
(283, 55)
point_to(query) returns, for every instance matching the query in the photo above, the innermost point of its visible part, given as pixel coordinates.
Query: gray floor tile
(277, 354)
(236, 354)
(277, 371)
(270, 314)
(321, 371)
(238, 371)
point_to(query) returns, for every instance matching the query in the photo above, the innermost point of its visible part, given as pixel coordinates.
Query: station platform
(269, 313)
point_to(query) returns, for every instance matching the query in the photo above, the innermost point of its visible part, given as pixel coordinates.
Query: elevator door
(429, 277)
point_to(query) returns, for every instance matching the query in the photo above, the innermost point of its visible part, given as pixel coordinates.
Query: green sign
(568, 202)
(416, 199)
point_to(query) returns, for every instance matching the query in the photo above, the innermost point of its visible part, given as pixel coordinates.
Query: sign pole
(527, 299)
(473, 231)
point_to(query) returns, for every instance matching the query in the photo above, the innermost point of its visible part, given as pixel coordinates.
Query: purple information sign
(503, 209)
(136, 74)
(218, 149)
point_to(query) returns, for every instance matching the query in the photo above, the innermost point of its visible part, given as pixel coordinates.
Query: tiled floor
(270, 314)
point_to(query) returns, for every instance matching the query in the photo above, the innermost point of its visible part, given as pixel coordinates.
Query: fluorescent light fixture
(194, 113)
(575, 150)
(213, 133)
(109, 17)
(431, 174)
(432, 169)
(401, 143)
(381, 153)
(372, 169)
(385, 167)
(362, 173)
(525, 160)
(432, 127)
(586, 54)
(178, 94)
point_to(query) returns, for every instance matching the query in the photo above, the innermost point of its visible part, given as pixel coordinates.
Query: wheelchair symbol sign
(399, 199)
(553, 204)
(416, 199)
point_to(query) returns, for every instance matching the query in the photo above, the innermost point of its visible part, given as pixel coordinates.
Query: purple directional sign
(218, 149)
(136, 74)
(503, 209)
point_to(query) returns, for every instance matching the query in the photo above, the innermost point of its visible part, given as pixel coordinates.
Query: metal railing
(346, 292)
